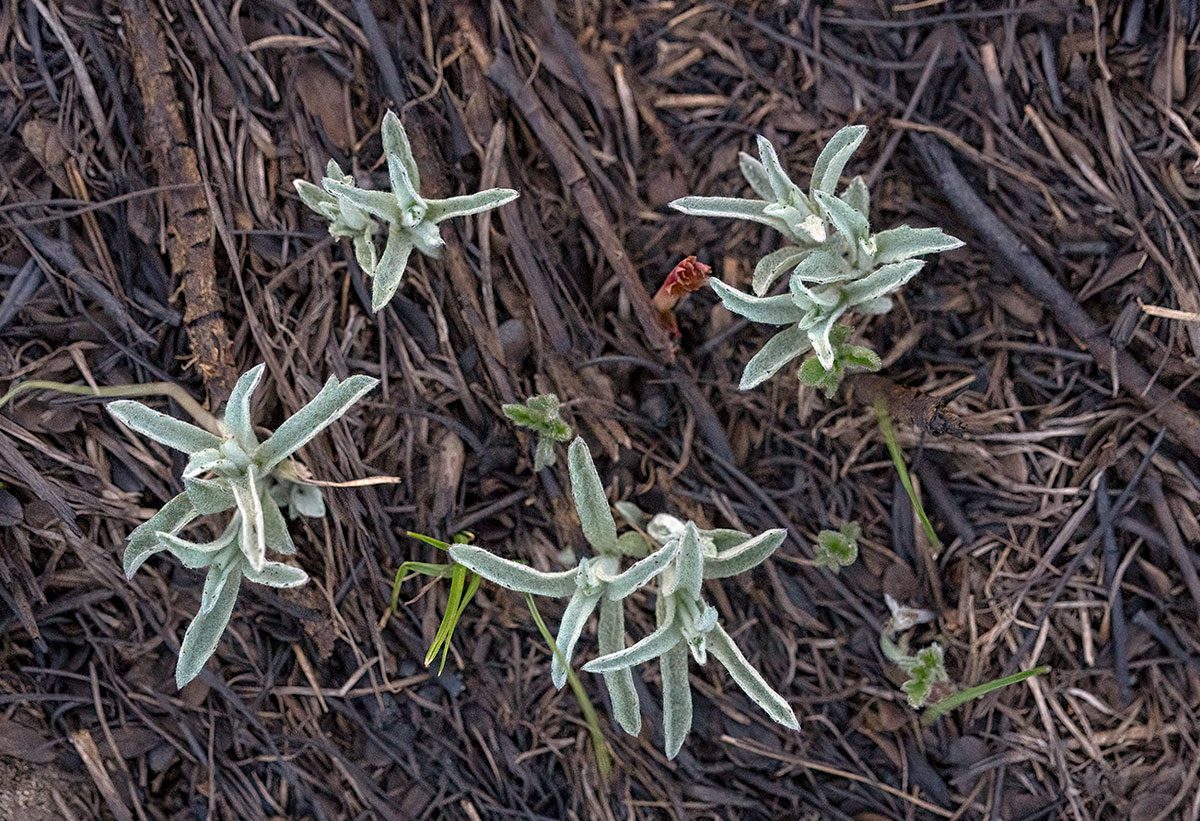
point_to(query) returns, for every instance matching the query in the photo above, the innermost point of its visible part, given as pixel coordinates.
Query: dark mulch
(1068, 520)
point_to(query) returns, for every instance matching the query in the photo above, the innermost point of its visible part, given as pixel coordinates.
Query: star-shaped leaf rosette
(680, 557)
(233, 470)
(686, 624)
(411, 220)
(834, 264)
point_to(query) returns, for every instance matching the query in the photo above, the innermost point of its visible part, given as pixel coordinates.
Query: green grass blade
(889, 438)
(437, 571)
(429, 540)
(940, 708)
(441, 641)
(604, 759)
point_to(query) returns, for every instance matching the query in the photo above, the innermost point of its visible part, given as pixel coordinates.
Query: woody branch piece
(1171, 413)
(189, 227)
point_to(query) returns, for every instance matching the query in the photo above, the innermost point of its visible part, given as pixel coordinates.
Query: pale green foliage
(680, 556)
(845, 357)
(540, 414)
(233, 471)
(838, 548)
(926, 668)
(411, 220)
(463, 586)
(833, 262)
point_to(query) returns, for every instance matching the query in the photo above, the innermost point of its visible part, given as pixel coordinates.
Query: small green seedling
(834, 263)
(680, 556)
(838, 548)
(463, 586)
(540, 414)
(411, 220)
(233, 470)
(926, 669)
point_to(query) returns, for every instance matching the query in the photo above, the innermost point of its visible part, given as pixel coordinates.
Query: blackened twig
(1112, 557)
(1176, 416)
(1170, 530)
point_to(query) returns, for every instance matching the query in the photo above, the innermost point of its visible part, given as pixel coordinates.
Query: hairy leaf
(591, 503)
(771, 310)
(677, 698)
(834, 156)
(650, 647)
(161, 428)
(512, 575)
(575, 617)
(903, 243)
(204, 632)
(746, 677)
(744, 556)
(326, 407)
(777, 352)
(144, 541)
(611, 639)
(237, 409)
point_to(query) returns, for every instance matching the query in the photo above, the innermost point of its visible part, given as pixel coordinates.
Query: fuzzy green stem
(889, 437)
(169, 389)
(599, 745)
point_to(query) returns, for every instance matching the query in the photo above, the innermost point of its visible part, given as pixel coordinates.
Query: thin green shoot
(604, 759)
(191, 406)
(889, 437)
(951, 702)
(463, 586)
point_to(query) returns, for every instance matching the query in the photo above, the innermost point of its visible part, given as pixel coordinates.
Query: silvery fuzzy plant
(540, 414)
(677, 553)
(233, 471)
(834, 263)
(411, 220)
(687, 625)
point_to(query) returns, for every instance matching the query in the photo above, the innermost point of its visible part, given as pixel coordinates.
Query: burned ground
(152, 233)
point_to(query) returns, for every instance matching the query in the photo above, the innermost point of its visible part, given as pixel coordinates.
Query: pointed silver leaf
(834, 156)
(650, 647)
(591, 503)
(325, 408)
(904, 243)
(640, 573)
(144, 541)
(749, 553)
(746, 677)
(611, 639)
(776, 264)
(391, 267)
(276, 574)
(677, 698)
(513, 575)
(574, 619)
(756, 176)
(237, 409)
(770, 310)
(204, 632)
(468, 204)
(777, 352)
(165, 430)
(395, 142)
